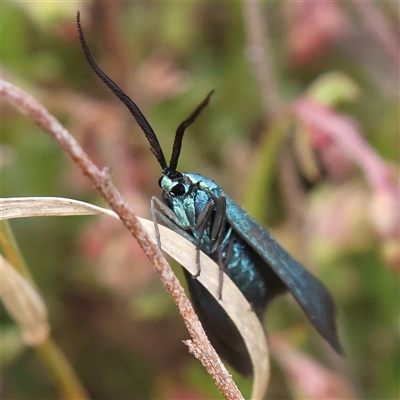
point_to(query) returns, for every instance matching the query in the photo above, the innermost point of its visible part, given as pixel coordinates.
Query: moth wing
(309, 292)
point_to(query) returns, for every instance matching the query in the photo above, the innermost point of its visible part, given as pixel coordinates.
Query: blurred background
(303, 131)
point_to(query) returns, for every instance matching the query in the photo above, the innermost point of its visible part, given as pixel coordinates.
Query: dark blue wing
(309, 292)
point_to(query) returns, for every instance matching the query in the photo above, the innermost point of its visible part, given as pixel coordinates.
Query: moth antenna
(129, 103)
(176, 148)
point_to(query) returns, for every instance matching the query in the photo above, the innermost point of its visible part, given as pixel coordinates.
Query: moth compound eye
(178, 189)
(159, 181)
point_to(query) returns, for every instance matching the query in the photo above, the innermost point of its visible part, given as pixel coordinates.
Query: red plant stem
(199, 345)
(346, 135)
(344, 132)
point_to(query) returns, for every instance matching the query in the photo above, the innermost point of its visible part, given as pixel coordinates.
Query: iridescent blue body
(255, 262)
(244, 266)
(200, 210)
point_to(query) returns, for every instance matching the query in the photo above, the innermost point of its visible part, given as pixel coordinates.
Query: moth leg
(230, 245)
(218, 237)
(154, 218)
(221, 273)
(166, 217)
(201, 224)
(223, 261)
(217, 221)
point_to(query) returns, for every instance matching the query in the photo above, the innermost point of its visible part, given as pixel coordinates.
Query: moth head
(175, 185)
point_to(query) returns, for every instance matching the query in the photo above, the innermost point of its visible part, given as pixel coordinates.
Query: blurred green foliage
(167, 56)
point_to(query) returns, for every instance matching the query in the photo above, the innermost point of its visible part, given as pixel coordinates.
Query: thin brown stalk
(199, 345)
(379, 26)
(259, 53)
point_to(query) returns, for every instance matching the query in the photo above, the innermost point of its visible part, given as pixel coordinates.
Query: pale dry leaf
(24, 304)
(184, 252)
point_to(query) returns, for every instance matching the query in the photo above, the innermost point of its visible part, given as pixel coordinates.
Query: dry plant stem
(11, 250)
(259, 53)
(199, 345)
(376, 22)
(62, 373)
